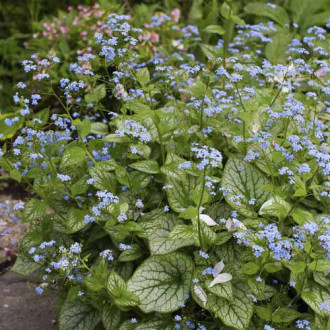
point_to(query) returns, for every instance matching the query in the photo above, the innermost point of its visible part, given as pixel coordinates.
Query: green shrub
(171, 192)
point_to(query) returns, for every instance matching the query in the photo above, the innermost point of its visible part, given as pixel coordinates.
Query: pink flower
(175, 13)
(154, 37)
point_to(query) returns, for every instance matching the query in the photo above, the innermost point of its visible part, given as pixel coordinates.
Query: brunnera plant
(174, 193)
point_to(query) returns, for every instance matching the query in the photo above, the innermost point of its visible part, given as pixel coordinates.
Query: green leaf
(83, 127)
(273, 267)
(180, 195)
(161, 323)
(143, 76)
(72, 158)
(242, 178)
(181, 232)
(250, 268)
(42, 115)
(117, 288)
(24, 266)
(146, 166)
(314, 295)
(278, 14)
(319, 265)
(76, 315)
(111, 317)
(214, 29)
(122, 175)
(99, 128)
(103, 180)
(211, 52)
(225, 10)
(33, 210)
(265, 313)
(275, 207)
(222, 290)
(284, 314)
(162, 282)
(138, 107)
(138, 180)
(79, 187)
(198, 197)
(16, 175)
(160, 241)
(97, 94)
(275, 51)
(189, 213)
(131, 254)
(236, 313)
(301, 216)
(75, 221)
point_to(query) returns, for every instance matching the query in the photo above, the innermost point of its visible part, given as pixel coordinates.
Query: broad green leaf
(160, 241)
(75, 221)
(211, 52)
(278, 14)
(137, 106)
(33, 210)
(222, 290)
(103, 180)
(146, 166)
(273, 267)
(111, 317)
(83, 127)
(189, 213)
(143, 76)
(16, 175)
(225, 10)
(319, 265)
(207, 235)
(275, 51)
(76, 315)
(42, 115)
(162, 323)
(180, 194)
(314, 295)
(300, 216)
(9, 131)
(284, 314)
(265, 313)
(122, 175)
(322, 278)
(236, 313)
(181, 232)
(215, 29)
(79, 187)
(31, 239)
(131, 254)
(302, 9)
(97, 94)
(99, 128)
(24, 267)
(73, 157)
(275, 207)
(117, 288)
(250, 268)
(138, 180)
(242, 178)
(162, 282)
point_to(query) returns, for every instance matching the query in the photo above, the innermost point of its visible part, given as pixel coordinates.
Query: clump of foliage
(172, 192)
